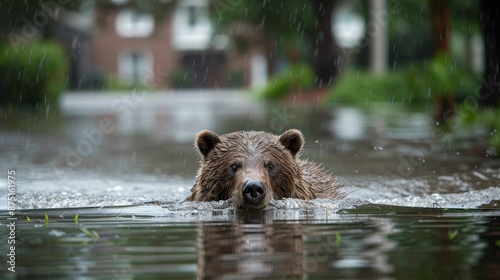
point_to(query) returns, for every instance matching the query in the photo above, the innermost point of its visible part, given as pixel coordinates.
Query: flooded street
(132, 147)
(419, 205)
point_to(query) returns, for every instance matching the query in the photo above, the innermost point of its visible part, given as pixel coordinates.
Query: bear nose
(254, 191)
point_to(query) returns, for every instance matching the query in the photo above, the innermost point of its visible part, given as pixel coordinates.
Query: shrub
(468, 114)
(32, 75)
(412, 86)
(361, 88)
(113, 83)
(297, 78)
(442, 75)
(181, 79)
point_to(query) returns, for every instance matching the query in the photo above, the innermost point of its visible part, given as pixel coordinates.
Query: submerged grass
(452, 234)
(338, 238)
(92, 234)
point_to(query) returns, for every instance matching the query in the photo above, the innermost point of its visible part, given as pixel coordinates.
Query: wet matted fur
(228, 161)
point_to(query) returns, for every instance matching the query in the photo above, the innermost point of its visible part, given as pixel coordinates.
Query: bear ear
(206, 140)
(292, 140)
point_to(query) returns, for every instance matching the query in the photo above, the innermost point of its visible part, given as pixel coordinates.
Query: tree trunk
(489, 95)
(379, 39)
(444, 102)
(440, 12)
(327, 59)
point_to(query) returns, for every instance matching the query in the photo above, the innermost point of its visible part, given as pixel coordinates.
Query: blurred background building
(413, 51)
(176, 48)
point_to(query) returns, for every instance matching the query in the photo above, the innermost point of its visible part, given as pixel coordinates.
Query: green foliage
(279, 17)
(15, 14)
(437, 74)
(92, 235)
(181, 79)
(442, 75)
(452, 234)
(338, 238)
(361, 88)
(33, 74)
(113, 83)
(464, 16)
(491, 118)
(297, 78)
(411, 86)
(469, 114)
(103, 81)
(443, 78)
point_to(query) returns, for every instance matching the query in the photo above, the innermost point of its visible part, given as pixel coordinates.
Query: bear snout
(254, 191)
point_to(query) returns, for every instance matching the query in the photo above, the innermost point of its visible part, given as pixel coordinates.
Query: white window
(192, 29)
(135, 67)
(132, 23)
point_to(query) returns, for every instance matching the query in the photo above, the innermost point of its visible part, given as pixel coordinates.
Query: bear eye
(270, 166)
(234, 167)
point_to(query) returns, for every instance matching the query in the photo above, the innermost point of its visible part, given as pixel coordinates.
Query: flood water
(422, 204)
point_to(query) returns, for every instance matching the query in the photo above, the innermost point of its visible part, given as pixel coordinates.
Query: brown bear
(253, 167)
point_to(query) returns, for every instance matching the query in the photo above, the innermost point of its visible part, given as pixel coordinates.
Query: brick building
(176, 50)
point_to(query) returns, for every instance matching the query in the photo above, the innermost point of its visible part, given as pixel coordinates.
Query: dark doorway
(205, 70)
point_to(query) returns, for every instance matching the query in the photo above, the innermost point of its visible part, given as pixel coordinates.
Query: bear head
(249, 167)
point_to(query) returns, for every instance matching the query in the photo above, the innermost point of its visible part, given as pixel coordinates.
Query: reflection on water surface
(393, 243)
